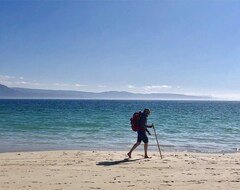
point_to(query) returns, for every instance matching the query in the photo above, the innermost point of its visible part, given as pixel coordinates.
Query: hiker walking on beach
(142, 136)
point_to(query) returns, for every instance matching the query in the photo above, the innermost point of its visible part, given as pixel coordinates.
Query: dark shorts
(142, 136)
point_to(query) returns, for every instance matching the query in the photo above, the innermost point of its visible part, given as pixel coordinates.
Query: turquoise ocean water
(199, 126)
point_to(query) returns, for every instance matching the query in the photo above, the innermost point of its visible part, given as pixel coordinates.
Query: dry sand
(60, 170)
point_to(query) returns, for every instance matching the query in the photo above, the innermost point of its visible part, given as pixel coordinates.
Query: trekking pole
(157, 141)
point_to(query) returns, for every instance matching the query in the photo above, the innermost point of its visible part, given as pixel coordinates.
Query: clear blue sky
(181, 46)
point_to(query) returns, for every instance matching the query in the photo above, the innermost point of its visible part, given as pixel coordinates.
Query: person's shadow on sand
(111, 163)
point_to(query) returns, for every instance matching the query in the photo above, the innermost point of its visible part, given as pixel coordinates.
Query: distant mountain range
(26, 93)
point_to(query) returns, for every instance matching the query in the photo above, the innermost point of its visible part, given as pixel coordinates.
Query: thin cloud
(131, 87)
(101, 86)
(156, 87)
(80, 85)
(11, 80)
(60, 84)
(20, 82)
(68, 85)
(5, 77)
(26, 83)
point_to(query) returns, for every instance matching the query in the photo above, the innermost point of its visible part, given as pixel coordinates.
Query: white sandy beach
(60, 170)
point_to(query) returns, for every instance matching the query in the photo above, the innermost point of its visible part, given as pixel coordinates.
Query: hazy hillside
(6, 92)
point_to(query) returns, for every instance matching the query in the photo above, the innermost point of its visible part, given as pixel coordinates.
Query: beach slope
(61, 170)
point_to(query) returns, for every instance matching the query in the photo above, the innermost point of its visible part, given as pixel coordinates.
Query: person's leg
(145, 150)
(134, 146)
(145, 140)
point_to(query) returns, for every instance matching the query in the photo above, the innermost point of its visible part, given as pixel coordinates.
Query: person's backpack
(135, 121)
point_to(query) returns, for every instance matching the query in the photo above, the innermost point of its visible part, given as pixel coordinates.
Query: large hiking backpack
(135, 121)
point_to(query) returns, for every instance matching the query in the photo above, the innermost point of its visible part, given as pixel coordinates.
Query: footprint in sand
(94, 187)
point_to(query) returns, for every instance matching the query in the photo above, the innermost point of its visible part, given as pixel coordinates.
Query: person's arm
(149, 126)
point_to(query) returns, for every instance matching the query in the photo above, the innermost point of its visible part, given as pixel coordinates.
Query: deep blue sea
(196, 126)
